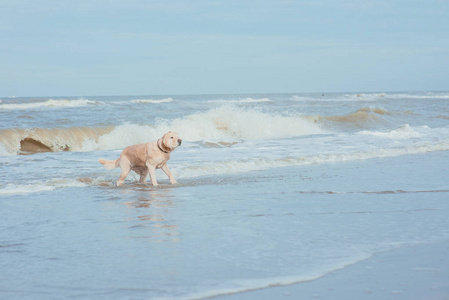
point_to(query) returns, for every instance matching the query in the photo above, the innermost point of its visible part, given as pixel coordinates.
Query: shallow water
(273, 190)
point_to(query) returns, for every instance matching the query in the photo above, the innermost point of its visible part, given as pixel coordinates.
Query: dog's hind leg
(126, 168)
(143, 175)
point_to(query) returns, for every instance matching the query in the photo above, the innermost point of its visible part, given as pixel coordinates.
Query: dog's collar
(160, 148)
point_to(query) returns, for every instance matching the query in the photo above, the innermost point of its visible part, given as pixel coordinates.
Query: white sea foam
(248, 164)
(237, 286)
(152, 101)
(5, 152)
(246, 100)
(231, 122)
(122, 136)
(368, 97)
(360, 97)
(377, 96)
(441, 96)
(12, 189)
(51, 103)
(37, 187)
(340, 97)
(403, 132)
(301, 98)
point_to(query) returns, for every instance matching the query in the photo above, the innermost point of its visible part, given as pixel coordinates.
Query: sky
(169, 47)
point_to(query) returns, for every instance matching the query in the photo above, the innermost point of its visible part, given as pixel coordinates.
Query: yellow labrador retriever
(145, 158)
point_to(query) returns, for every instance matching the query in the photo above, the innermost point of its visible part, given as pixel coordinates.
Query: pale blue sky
(137, 47)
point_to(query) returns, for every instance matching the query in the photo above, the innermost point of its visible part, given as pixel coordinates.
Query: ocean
(273, 190)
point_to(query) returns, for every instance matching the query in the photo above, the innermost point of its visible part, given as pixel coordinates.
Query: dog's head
(171, 141)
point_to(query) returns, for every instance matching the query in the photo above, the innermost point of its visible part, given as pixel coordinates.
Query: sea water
(274, 189)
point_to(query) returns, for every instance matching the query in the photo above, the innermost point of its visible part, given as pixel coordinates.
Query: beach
(279, 196)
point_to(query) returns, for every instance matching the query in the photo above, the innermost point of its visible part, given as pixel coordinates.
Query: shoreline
(407, 273)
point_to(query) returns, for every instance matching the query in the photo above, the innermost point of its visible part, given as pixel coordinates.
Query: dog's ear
(164, 140)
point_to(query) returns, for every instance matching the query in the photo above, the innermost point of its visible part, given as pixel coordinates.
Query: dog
(146, 158)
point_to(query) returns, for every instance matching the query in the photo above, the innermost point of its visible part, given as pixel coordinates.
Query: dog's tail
(109, 164)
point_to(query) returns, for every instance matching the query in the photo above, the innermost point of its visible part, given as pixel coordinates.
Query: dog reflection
(152, 224)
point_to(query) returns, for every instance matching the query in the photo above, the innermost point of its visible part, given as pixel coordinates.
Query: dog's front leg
(169, 174)
(152, 171)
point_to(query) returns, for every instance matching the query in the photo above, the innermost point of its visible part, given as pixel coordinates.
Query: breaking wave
(223, 126)
(340, 97)
(429, 95)
(363, 117)
(364, 96)
(368, 97)
(223, 123)
(403, 132)
(151, 101)
(246, 100)
(59, 103)
(37, 140)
